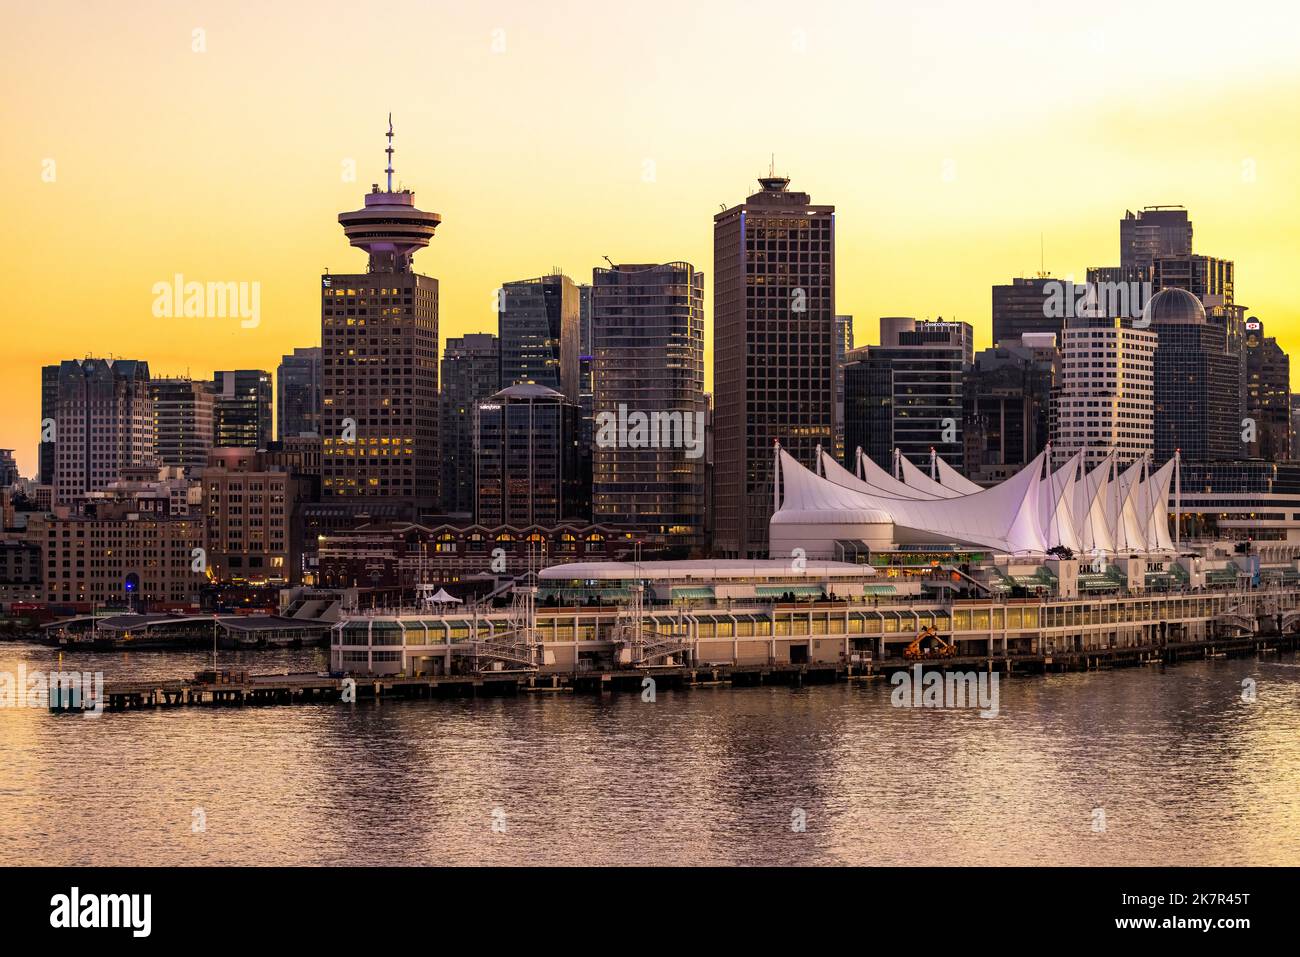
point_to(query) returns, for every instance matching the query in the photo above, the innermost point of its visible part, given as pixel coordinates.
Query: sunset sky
(949, 137)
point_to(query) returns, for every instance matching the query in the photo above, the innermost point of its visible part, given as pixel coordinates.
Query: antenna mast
(389, 151)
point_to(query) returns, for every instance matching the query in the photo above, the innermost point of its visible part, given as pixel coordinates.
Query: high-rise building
(1023, 305)
(379, 348)
(1106, 399)
(843, 346)
(1197, 401)
(1209, 279)
(103, 423)
(1008, 406)
(298, 393)
(1153, 232)
(241, 409)
(774, 352)
(868, 407)
(470, 373)
(525, 454)
(183, 422)
(922, 388)
(538, 324)
(648, 371)
(49, 412)
(1268, 396)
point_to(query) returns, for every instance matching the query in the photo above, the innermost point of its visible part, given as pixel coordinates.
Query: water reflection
(1184, 770)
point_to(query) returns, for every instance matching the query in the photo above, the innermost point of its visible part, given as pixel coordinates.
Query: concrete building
(1106, 399)
(843, 346)
(248, 511)
(103, 423)
(298, 393)
(183, 422)
(774, 350)
(241, 409)
(119, 557)
(379, 348)
(648, 465)
(526, 454)
(538, 327)
(471, 372)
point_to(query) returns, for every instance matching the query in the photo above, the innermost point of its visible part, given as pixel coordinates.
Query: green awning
(692, 593)
(879, 590)
(798, 591)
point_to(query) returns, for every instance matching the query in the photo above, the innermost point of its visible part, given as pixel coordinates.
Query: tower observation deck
(389, 227)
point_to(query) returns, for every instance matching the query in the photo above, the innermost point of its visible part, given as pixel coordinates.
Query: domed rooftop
(1173, 306)
(527, 390)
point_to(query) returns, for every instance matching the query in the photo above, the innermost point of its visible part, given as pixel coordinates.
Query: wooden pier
(221, 689)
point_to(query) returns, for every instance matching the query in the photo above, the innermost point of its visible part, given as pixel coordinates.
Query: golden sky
(950, 137)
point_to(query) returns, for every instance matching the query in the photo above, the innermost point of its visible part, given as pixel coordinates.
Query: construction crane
(938, 647)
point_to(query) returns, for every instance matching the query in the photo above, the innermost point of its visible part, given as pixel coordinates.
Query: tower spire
(389, 151)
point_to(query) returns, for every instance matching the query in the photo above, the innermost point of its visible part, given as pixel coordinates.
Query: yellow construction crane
(928, 644)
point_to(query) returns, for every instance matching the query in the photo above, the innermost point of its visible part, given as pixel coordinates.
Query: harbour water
(1149, 765)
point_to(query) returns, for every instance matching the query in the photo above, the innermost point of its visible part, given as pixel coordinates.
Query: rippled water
(1184, 770)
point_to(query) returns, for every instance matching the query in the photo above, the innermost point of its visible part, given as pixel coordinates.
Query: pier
(225, 689)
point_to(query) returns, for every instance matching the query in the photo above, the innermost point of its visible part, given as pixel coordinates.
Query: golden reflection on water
(1184, 771)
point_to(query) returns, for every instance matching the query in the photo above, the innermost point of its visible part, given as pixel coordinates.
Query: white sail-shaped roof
(1158, 517)
(874, 475)
(1057, 502)
(949, 477)
(922, 482)
(1095, 537)
(1004, 517)
(1130, 528)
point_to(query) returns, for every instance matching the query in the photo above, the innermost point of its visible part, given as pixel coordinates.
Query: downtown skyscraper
(379, 342)
(774, 352)
(647, 330)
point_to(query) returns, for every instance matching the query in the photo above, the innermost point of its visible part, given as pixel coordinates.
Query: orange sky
(950, 136)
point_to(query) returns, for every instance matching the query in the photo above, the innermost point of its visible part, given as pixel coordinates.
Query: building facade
(774, 351)
(184, 422)
(248, 511)
(525, 455)
(379, 356)
(119, 557)
(1007, 406)
(1268, 396)
(538, 327)
(1106, 399)
(648, 361)
(103, 423)
(471, 372)
(298, 393)
(241, 410)
(925, 361)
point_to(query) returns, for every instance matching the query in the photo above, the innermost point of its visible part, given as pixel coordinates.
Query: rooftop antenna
(389, 151)
(771, 166)
(1041, 259)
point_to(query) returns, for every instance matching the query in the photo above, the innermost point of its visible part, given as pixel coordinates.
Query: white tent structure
(918, 479)
(1031, 513)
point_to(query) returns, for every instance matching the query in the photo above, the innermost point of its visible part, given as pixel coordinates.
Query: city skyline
(937, 199)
